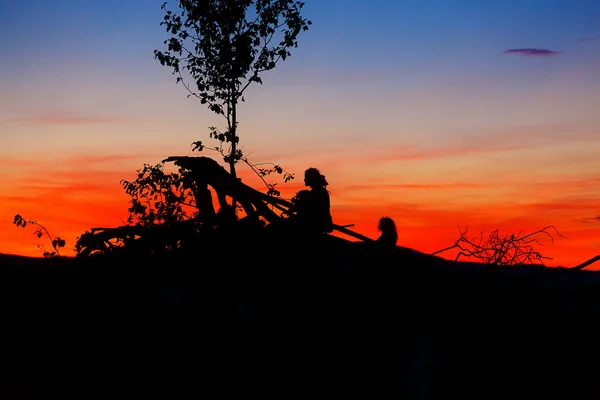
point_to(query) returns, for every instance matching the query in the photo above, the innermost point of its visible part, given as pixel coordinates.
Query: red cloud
(423, 186)
(592, 219)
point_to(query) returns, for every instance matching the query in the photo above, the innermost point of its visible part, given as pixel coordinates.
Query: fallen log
(207, 172)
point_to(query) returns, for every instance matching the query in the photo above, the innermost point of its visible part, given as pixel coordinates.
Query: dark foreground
(309, 317)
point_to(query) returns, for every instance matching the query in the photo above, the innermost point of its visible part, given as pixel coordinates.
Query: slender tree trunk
(233, 131)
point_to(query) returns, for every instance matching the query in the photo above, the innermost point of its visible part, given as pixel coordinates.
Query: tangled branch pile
(499, 249)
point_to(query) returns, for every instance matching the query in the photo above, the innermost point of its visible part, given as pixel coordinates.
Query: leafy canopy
(225, 45)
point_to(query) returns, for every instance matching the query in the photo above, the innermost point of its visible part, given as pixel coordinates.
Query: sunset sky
(483, 114)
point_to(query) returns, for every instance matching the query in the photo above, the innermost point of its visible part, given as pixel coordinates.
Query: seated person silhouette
(389, 234)
(312, 206)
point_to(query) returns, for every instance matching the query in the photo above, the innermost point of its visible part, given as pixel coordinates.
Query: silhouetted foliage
(157, 197)
(169, 210)
(498, 249)
(224, 46)
(160, 205)
(263, 172)
(40, 231)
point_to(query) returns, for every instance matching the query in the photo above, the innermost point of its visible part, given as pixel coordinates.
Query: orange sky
(435, 127)
(74, 193)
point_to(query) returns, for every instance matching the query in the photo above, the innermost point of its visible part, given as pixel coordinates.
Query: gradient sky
(483, 114)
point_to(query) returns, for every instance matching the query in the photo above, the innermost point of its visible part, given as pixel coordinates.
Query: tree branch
(586, 263)
(502, 250)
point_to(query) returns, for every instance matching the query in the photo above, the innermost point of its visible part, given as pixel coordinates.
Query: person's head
(313, 178)
(387, 227)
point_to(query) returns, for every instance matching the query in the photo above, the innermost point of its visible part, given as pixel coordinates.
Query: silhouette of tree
(157, 197)
(497, 249)
(40, 231)
(224, 46)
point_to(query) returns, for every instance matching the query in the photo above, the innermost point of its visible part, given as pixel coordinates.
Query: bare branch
(497, 249)
(586, 263)
(186, 86)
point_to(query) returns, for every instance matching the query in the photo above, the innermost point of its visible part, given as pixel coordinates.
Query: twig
(496, 249)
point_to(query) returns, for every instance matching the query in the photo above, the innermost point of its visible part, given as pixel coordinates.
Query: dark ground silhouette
(293, 314)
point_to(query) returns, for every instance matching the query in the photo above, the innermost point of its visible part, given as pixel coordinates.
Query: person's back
(313, 206)
(319, 214)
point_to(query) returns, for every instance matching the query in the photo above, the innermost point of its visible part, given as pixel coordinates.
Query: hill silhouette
(287, 313)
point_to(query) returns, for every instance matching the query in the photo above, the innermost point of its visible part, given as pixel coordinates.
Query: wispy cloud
(559, 205)
(532, 52)
(398, 153)
(411, 186)
(410, 153)
(538, 133)
(69, 118)
(83, 161)
(18, 162)
(587, 39)
(107, 159)
(591, 219)
(591, 182)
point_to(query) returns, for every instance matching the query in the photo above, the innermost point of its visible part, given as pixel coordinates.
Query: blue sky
(407, 37)
(365, 62)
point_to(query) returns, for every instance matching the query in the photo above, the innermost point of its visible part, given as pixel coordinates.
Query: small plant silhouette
(40, 231)
(498, 249)
(158, 197)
